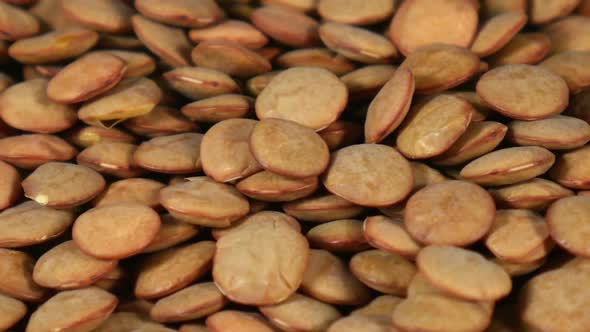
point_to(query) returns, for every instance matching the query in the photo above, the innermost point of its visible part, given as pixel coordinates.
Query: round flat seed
(385, 272)
(569, 34)
(356, 12)
(107, 16)
(51, 13)
(338, 235)
(288, 148)
(519, 269)
(130, 98)
(124, 42)
(362, 323)
(496, 7)
(10, 185)
(26, 106)
(328, 279)
(270, 53)
(287, 314)
(389, 108)
(422, 286)
(17, 23)
(435, 313)
(116, 231)
(136, 190)
(174, 154)
(571, 169)
(138, 63)
(47, 71)
(572, 66)
(312, 97)
(439, 67)
(286, 26)
(546, 300)
(301, 5)
(479, 139)
(262, 262)
(30, 151)
(231, 320)
(30, 223)
(381, 306)
(369, 175)
(256, 84)
(433, 126)
(101, 72)
(452, 212)
(524, 48)
(267, 216)
(322, 208)
(53, 46)
(497, 31)
(170, 270)
(230, 58)
(197, 82)
(218, 108)
(63, 185)
(235, 31)
(16, 276)
(366, 82)
(421, 22)
(160, 121)
(86, 309)
(538, 253)
(508, 166)
(12, 311)
(87, 136)
(184, 13)
(341, 133)
(171, 233)
(170, 44)
(534, 194)
(192, 302)
(515, 234)
(523, 92)
(138, 307)
(113, 281)
(272, 187)
(568, 224)
(463, 273)
(130, 321)
(225, 150)
(546, 11)
(390, 235)
(202, 201)
(356, 43)
(316, 57)
(112, 158)
(66, 267)
(555, 133)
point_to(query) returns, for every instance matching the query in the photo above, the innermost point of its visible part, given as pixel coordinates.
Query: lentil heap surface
(294, 165)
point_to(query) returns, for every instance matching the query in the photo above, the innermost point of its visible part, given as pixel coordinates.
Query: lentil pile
(295, 165)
